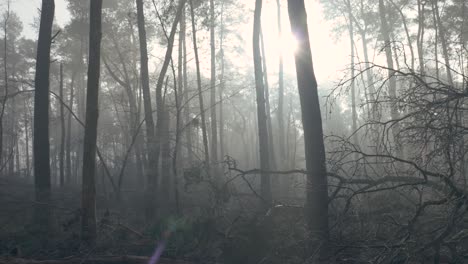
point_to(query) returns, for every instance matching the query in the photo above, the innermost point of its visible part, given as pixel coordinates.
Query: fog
(223, 131)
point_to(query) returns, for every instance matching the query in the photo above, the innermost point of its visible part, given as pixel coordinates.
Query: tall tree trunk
(166, 184)
(178, 94)
(17, 159)
(69, 133)
(280, 110)
(151, 172)
(200, 92)
(221, 86)
(13, 136)
(26, 137)
(385, 31)
(214, 126)
(436, 39)
(443, 41)
(160, 109)
(317, 183)
(264, 151)
(187, 127)
(88, 198)
(62, 130)
(41, 146)
(353, 84)
(267, 103)
(420, 36)
(5, 72)
(373, 110)
(407, 32)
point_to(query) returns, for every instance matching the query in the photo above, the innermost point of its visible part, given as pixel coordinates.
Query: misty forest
(233, 132)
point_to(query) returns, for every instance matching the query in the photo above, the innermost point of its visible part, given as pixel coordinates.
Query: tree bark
(160, 109)
(443, 41)
(5, 72)
(62, 130)
(264, 150)
(166, 175)
(267, 104)
(200, 92)
(41, 148)
(353, 84)
(385, 31)
(420, 36)
(214, 125)
(221, 86)
(317, 183)
(88, 199)
(280, 111)
(151, 172)
(69, 134)
(26, 137)
(188, 127)
(436, 39)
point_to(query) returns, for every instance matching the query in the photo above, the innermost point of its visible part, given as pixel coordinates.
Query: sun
(288, 43)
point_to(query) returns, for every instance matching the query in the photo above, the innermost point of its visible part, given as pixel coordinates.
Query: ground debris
(91, 260)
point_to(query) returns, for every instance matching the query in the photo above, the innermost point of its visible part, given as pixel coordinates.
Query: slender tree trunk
(317, 183)
(267, 104)
(420, 36)
(353, 84)
(385, 31)
(214, 126)
(166, 184)
(407, 32)
(62, 135)
(13, 137)
(26, 137)
(69, 132)
(369, 73)
(160, 109)
(17, 159)
(5, 72)
(41, 146)
(436, 39)
(200, 92)
(443, 41)
(151, 172)
(264, 150)
(221, 86)
(188, 127)
(178, 94)
(88, 199)
(280, 110)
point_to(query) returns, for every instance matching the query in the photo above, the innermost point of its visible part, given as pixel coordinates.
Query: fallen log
(92, 260)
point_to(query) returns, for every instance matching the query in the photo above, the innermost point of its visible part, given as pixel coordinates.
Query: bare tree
(41, 147)
(392, 85)
(214, 125)
(62, 132)
(88, 198)
(264, 150)
(280, 110)
(150, 136)
(317, 182)
(69, 133)
(200, 92)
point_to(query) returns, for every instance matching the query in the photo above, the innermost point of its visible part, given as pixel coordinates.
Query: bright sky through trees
(330, 52)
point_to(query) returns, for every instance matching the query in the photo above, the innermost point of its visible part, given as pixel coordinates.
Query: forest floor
(236, 237)
(118, 243)
(124, 237)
